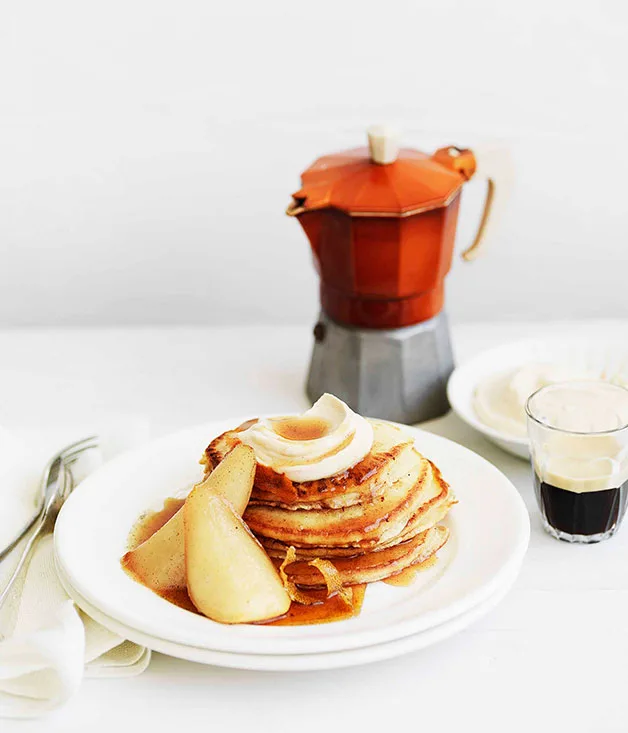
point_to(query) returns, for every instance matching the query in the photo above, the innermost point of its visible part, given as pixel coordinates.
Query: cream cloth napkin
(47, 645)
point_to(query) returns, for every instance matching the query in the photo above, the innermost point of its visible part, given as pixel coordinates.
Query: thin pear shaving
(330, 575)
(292, 590)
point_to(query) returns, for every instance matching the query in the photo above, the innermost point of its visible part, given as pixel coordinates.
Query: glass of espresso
(579, 447)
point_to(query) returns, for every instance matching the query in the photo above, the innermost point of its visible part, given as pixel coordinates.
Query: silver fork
(56, 485)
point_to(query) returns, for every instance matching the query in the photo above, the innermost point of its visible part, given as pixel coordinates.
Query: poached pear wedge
(232, 478)
(159, 562)
(230, 577)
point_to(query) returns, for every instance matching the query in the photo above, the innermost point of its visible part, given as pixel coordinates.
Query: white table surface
(552, 656)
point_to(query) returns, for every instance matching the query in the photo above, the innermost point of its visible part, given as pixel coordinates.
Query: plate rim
(297, 662)
(305, 644)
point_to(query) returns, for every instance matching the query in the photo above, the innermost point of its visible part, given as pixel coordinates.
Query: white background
(148, 149)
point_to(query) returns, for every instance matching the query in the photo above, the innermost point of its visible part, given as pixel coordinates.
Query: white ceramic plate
(490, 531)
(603, 357)
(297, 662)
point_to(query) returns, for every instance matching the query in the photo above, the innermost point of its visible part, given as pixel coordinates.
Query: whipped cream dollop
(500, 399)
(327, 439)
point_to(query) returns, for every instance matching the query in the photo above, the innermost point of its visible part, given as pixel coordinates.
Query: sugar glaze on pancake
(372, 521)
(390, 457)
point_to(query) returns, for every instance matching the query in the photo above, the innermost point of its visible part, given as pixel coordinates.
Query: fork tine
(72, 452)
(74, 455)
(78, 447)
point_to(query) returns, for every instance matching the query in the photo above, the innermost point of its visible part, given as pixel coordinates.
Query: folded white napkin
(47, 645)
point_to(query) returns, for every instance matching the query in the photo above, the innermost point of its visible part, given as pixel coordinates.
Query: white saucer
(490, 531)
(604, 357)
(296, 662)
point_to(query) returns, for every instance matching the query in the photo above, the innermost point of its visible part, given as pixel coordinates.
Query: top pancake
(391, 458)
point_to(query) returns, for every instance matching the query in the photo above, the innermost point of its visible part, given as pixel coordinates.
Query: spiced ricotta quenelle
(579, 445)
(294, 517)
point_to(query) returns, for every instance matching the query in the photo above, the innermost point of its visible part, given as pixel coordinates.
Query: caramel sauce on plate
(334, 608)
(408, 576)
(324, 610)
(149, 523)
(301, 428)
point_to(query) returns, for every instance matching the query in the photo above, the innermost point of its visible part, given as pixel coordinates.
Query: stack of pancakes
(372, 521)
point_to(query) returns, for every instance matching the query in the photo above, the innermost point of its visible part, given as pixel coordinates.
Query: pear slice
(159, 562)
(230, 577)
(232, 478)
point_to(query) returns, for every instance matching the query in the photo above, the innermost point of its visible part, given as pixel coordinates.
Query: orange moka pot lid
(383, 180)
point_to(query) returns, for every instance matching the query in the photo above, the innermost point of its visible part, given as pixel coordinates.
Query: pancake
(372, 522)
(423, 520)
(367, 524)
(390, 458)
(373, 566)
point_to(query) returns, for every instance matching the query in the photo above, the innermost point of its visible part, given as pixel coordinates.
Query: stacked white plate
(489, 536)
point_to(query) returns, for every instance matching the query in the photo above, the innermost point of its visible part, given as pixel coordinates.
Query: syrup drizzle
(301, 428)
(325, 610)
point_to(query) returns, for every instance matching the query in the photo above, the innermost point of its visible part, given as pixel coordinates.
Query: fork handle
(38, 524)
(20, 535)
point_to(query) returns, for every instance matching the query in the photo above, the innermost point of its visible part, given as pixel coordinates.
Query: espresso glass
(579, 448)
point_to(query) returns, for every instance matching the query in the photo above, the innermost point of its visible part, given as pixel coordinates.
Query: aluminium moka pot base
(395, 374)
